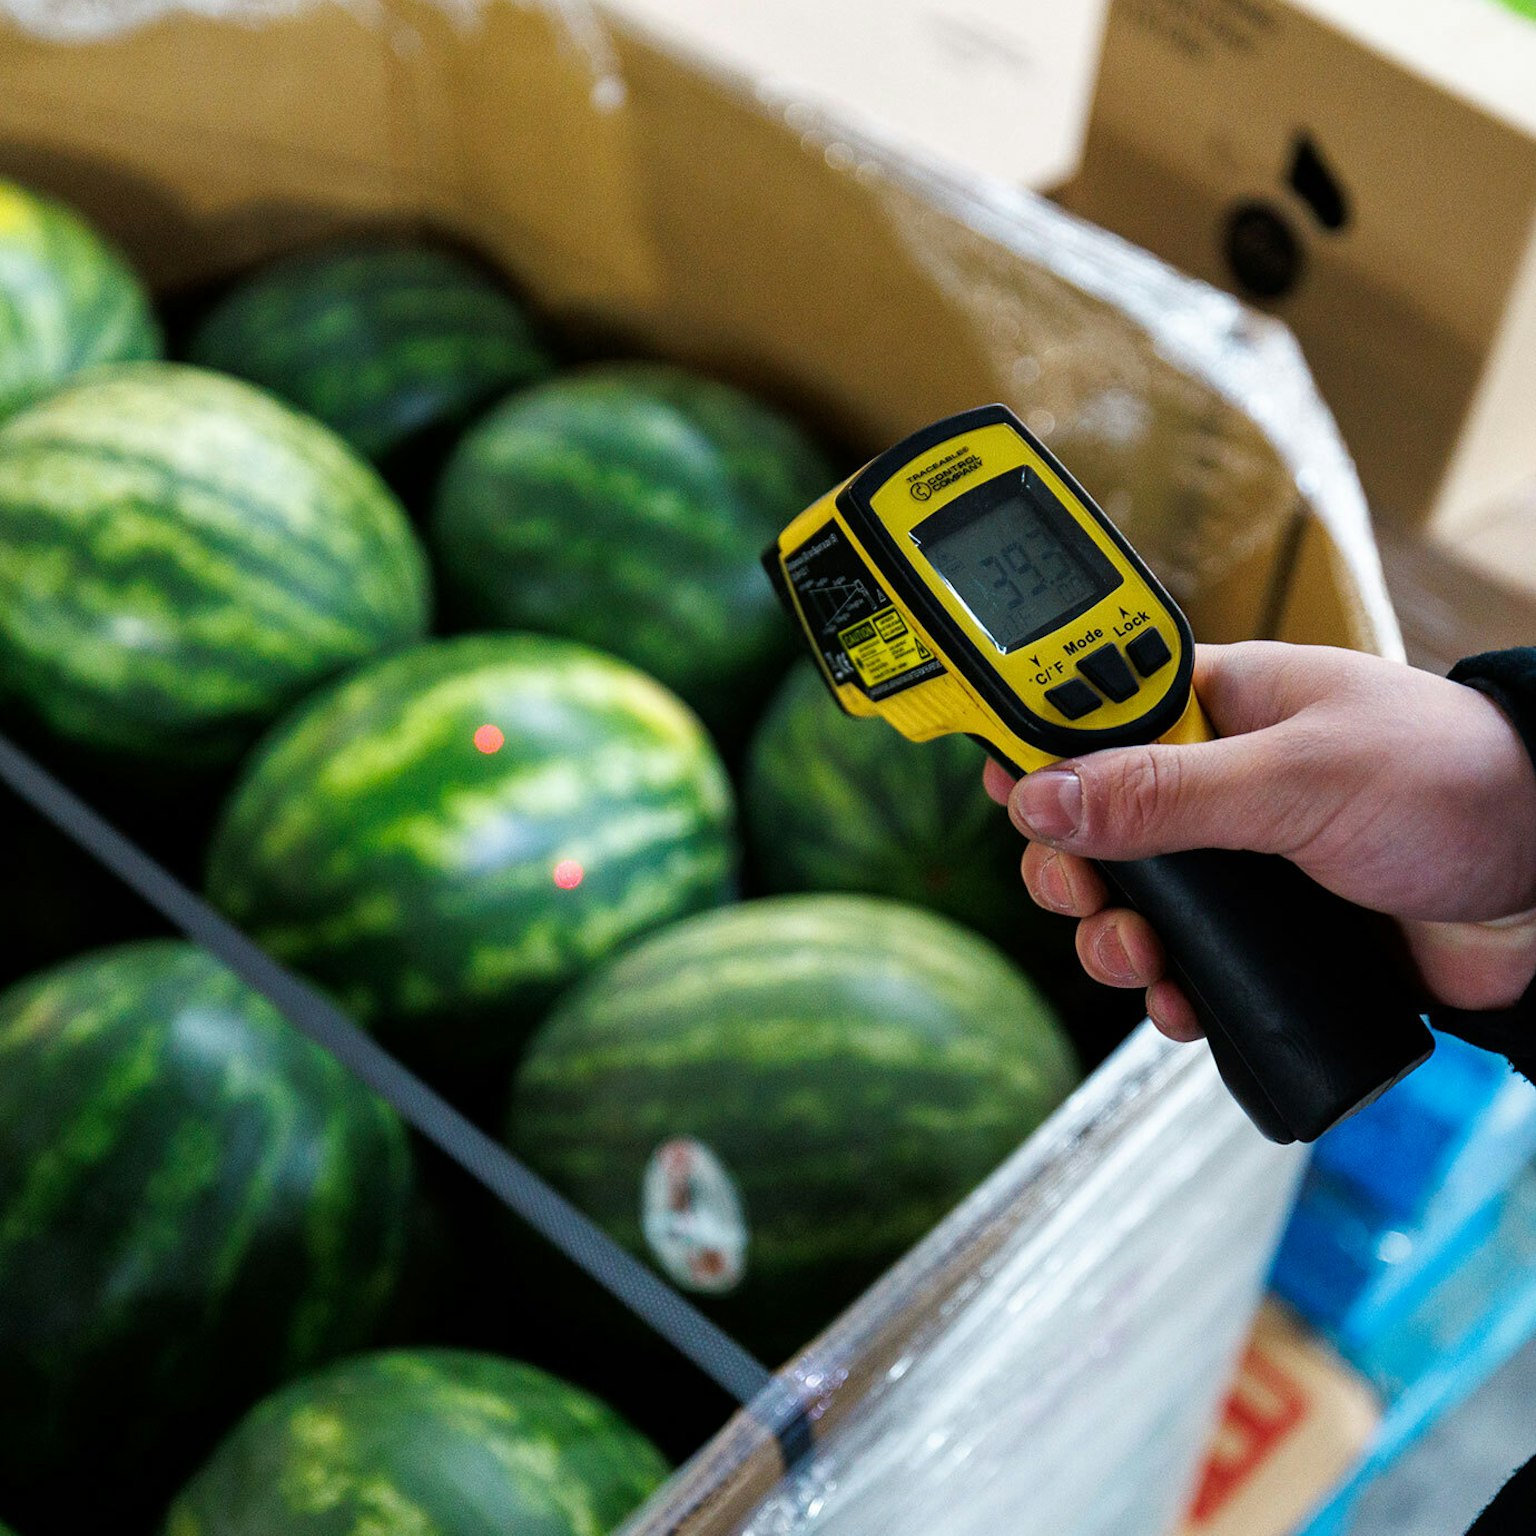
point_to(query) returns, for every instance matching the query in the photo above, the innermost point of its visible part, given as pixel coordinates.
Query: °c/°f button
(1073, 698)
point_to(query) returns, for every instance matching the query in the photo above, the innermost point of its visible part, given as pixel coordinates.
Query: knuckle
(1289, 810)
(1143, 795)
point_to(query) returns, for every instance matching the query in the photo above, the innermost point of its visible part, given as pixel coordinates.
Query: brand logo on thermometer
(931, 478)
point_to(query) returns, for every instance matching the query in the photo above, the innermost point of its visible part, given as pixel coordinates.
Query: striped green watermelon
(196, 1203)
(182, 558)
(453, 834)
(422, 1443)
(837, 804)
(68, 300)
(772, 1102)
(380, 338)
(627, 506)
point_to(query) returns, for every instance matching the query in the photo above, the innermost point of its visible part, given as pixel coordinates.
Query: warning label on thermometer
(882, 648)
(861, 634)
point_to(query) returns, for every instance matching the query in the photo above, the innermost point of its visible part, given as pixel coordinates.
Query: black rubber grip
(1308, 1001)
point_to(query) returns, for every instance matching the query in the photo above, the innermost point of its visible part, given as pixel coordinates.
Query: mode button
(1106, 669)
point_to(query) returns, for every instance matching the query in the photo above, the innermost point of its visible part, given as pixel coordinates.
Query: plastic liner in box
(1193, 418)
(1048, 1360)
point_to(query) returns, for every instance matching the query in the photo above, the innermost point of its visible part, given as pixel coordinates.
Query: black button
(1148, 651)
(1106, 667)
(1073, 698)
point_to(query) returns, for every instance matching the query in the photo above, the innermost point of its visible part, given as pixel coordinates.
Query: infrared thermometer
(964, 581)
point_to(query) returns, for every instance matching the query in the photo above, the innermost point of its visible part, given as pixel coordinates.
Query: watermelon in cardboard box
(658, 204)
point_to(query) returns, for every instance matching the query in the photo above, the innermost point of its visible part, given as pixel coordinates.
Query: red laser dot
(568, 874)
(489, 738)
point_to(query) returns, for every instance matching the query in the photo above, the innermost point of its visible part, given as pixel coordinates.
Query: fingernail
(1110, 953)
(1048, 803)
(1054, 885)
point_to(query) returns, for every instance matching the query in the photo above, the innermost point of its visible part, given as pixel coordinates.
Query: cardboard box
(1293, 1427)
(1453, 604)
(1497, 549)
(632, 192)
(671, 207)
(1002, 88)
(1367, 170)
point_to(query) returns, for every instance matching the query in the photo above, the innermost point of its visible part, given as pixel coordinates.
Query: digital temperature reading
(1016, 572)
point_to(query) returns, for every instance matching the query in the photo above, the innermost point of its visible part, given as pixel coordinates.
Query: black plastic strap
(770, 1399)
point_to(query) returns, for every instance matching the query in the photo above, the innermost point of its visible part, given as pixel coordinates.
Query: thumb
(1136, 802)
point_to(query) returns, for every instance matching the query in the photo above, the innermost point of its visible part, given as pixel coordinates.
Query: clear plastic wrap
(1049, 1359)
(1192, 418)
(1199, 443)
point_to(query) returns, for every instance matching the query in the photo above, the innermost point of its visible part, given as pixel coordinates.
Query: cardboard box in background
(1292, 1428)
(1451, 604)
(1003, 87)
(1366, 169)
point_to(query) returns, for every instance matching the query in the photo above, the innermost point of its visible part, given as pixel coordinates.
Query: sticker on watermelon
(691, 1213)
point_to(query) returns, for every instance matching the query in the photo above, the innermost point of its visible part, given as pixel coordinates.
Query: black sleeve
(1513, 1511)
(1509, 679)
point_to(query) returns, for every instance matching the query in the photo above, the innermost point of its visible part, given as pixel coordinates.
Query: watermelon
(837, 804)
(771, 1102)
(381, 338)
(196, 1203)
(627, 506)
(451, 835)
(422, 1443)
(68, 300)
(182, 558)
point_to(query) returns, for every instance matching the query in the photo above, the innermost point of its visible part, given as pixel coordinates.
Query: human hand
(1399, 790)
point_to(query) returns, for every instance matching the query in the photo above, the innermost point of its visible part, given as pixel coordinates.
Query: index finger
(997, 781)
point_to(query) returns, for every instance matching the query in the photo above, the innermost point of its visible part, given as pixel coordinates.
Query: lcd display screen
(1016, 560)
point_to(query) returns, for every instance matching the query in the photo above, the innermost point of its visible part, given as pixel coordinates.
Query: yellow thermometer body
(964, 581)
(973, 586)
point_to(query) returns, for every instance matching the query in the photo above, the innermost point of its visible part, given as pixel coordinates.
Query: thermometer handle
(1305, 998)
